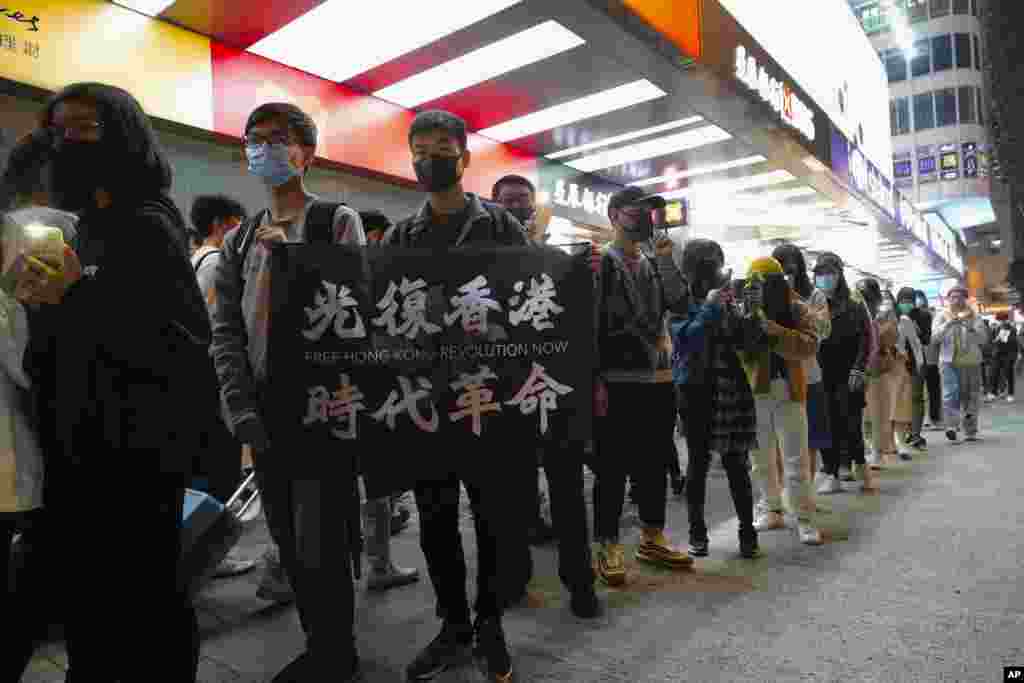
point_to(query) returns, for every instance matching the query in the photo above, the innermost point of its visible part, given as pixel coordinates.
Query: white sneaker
(829, 484)
(808, 535)
(872, 459)
(990, 397)
(1010, 399)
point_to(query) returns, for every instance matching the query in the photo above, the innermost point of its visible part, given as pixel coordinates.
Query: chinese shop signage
(413, 361)
(794, 112)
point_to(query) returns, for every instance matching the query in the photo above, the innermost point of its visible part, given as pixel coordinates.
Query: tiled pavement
(919, 583)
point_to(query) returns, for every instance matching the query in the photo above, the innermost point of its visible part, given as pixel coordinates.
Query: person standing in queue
(960, 333)
(280, 145)
(563, 464)
(451, 218)
(1007, 348)
(633, 297)
(111, 351)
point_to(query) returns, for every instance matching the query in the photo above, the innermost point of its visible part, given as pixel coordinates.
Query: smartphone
(9, 281)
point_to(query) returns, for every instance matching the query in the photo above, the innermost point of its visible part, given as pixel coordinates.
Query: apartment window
(924, 111)
(940, 8)
(895, 65)
(981, 107)
(917, 10)
(899, 111)
(977, 52)
(942, 53)
(921, 63)
(961, 7)
(945, 107)
(963, 50)
(967, 99)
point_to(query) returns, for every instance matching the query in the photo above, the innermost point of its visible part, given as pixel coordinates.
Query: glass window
(961, 7)
(977, 52)
(917, 10)
(942, 53)
(899, 110)
(967, 99)
(924, 111)
(940, 8)
(963, 50)
(921, 63)
(945, 107)
(981, 106)
(873, 19)
(895, 65)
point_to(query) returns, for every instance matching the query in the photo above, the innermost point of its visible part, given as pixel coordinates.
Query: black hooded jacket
(848, 346)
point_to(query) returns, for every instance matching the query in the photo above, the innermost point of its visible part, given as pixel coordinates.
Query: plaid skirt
(733, 413)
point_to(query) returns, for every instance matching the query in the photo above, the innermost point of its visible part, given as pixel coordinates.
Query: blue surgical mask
(270, 164)
(826, 283)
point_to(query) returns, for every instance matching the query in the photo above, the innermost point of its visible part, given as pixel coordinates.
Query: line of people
(772, 371)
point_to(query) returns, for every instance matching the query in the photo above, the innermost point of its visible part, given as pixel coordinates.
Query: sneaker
(233, 565)
(749, 549)
(275, 586)
(391, 577)
(611, 563)
(972, 438)
(952, 436)
(829, 484)
(655, 549)
(584, 603)
(491, 651)
(699, 548)
(906, 455)
(918, 443)
(990, 397)
(450, 648)
(1010, 399)
(770, 520)
(808, 535)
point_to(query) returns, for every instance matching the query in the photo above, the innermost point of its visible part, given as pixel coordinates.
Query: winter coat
(1005, 341)
(850, 344)
(970, 335)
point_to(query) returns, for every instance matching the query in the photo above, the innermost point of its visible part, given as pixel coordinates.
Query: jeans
(846, 409)
(300, 514)
(640, 418)
(782, 433)
(933, 381)
(961, 396)
(563, 465)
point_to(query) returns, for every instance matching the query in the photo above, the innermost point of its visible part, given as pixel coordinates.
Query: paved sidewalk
(920, 583)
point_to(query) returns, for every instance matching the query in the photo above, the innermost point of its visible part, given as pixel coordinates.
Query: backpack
(199, 263)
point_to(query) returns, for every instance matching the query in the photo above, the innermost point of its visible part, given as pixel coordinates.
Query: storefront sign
(949, 162)
(580, 197)
(420, 363)
(780, 96)
(19, 17)
(869, 181)
(927, 167)
(970, 155)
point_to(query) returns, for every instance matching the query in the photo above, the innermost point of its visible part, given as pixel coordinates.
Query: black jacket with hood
(849, 345)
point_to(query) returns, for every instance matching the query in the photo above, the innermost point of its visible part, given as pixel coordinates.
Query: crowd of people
(797, 378)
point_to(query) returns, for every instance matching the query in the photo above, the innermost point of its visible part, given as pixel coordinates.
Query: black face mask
(523, 214)
(437, 174)
(642, 228)
(76, 172)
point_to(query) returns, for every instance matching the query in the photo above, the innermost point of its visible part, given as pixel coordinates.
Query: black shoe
(699, 548)
(514, 599)
(541, 533)
(749, 549)
(952, 436)
(400, 520)
(678, 485)
(451, 647)
(584, 603)
(906, 457)
(491, 652)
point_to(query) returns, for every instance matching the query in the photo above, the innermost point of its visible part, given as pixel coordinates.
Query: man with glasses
(280, 145)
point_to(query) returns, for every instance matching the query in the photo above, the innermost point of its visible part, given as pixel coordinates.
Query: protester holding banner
(453, 218)
(280, 145)
(633, 296)
(563, 464)
(713, 395)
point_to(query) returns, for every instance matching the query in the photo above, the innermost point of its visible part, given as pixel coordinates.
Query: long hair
(790, 253)
(136, 165)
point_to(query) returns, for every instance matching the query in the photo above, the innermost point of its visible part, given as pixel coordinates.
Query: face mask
(437, 174)
(523, 214)
(75, 174)
(270, 164)
(906, 307)
(826, 283)
(642, 228)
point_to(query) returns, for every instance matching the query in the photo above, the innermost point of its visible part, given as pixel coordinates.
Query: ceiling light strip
(626, 137)
(384, 30)
(733, 186)
(150, 8)
(576, 110)
(524, 48)
(691, 139)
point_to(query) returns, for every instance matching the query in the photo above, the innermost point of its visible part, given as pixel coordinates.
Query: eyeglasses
(79, 130)
(272, 139)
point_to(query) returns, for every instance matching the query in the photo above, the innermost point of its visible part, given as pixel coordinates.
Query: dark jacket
(487, 224)
(1008, 348)
(923, 320)
(849, 345)
(112, 359)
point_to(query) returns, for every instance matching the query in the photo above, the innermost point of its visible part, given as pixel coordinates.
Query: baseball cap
(634, 195)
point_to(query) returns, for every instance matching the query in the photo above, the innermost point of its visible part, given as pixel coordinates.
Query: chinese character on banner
(409, 403)
(32, 49)
(539, 391)
(343, 407)
(413, 311)
(475, 399)
(8, 42)
(538, 306)
(337, 307)
(472, 306)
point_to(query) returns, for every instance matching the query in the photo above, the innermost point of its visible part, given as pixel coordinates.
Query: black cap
(634, 195)
(828, 260)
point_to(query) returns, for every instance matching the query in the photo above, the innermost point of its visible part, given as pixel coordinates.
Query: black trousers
(933, 381)
(847, 410)
(27, 601)
(106, 519)
(631, 441)
(564, 468)
(310, 523)
(737, 469)
(1005, 373)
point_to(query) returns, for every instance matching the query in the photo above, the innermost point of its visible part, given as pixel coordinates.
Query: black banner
(419, 363)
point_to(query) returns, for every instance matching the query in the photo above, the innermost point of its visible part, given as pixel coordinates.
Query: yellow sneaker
(655, 549)
(611, 563)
